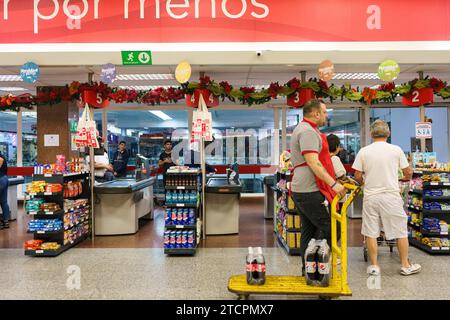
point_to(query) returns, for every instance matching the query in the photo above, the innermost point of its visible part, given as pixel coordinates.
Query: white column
(365, 126)
(283, 128)
(276, 137)
(105, 127)
(19, 140)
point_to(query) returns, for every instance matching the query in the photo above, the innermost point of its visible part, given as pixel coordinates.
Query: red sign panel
(300, 98)
(169, 21)
(419, 97)
(210, 99)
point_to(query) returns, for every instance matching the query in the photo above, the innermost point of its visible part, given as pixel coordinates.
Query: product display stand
(286, 220)
(70, 234)
(423, 203)
(183, 224)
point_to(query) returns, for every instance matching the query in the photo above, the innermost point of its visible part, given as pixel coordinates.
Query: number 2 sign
(419, 97)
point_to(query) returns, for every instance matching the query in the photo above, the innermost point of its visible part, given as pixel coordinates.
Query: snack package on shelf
(33, 244)
(45, 225)
(36, 187)
(50, 246)
(33, 205)
(416, 183)
(50, 207)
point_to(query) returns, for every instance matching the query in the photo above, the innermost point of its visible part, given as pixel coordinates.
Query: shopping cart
(296, 285)
(382, 241)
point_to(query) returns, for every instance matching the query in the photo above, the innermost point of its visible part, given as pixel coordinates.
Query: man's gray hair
(379, 129)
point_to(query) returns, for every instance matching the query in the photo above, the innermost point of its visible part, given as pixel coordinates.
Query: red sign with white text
(173, 21)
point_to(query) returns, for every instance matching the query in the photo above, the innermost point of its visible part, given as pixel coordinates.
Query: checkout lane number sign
(423, 130)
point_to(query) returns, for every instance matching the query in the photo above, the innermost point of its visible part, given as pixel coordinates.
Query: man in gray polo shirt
(313, 184)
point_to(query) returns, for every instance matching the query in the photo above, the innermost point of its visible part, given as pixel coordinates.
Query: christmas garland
(245, 95)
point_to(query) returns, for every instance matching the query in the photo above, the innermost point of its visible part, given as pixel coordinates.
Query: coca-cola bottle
(260, 273)
(323, 263)
(311, 263)
(251, 265)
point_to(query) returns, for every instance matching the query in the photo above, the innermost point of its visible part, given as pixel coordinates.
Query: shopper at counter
(377, 165)
(166, 159)
(313, 182)
(120, 160)
(103, 169)
(4, 218)
(334, 145)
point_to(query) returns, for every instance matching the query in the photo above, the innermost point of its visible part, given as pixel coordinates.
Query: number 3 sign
(419, 97)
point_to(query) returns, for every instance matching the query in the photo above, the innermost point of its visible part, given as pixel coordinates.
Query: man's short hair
(379, 129)
(122, 142)
(311, 106)
(167, 141)
(333, 142)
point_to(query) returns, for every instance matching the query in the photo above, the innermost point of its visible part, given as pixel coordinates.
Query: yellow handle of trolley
(341, 251)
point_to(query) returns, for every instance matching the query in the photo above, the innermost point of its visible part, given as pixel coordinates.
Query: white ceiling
(236, 75)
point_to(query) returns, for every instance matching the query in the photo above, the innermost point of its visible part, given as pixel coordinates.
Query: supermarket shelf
(430, 234)
(182, 188)
(45, 214)
(47, 232)
(421, 246)
(189, 227)
(54, 253)
(414, 208)
(181, 251)
(197, 172)
(182, 205)
(435, 211)
(430, 171)
(65, 175)
(74, 225)
(290, 251)
(416, 191)
(436, 184)
(432, 198)
(44, 194)
(78, 207)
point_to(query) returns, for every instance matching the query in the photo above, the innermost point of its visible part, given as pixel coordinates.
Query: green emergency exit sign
(136, 58)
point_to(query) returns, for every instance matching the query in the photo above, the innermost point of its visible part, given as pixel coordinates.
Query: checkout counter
(12, 195)
(222, 206)
(119, 204)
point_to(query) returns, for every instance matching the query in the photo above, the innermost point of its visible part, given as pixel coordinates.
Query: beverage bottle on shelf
(180, 217)
(186, 197)
(166, 239)
(323, 263)
(174, 217)
(191, 241)
(168, 197)
(167, 217)
(172, 240)
(178, 239)
(185, 216)
(311, 263)
(184, 236)
(191, 217)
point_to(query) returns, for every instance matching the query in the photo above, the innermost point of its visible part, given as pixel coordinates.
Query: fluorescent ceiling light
(29, 114)
(329, 110)
(130, 77)
(356, 76)
(144, 87)
(10, 77)
(160, 115)
(11, 89)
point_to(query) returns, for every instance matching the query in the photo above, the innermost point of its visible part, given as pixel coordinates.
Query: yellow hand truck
(296, 285)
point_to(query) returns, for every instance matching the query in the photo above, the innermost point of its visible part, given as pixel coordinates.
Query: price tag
(47, 175)
(32, 194)
(445, 248)
(32, 212)
(48, 193)
(181, 188)
(41, 232)
(179, 227)
(434, 183)
(39, 251)
(435, 248)
(446, 183)
(180, 204)
(49, 213)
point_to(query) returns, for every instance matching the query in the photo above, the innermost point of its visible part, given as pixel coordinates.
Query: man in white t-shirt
(377, 165)
(103, 169)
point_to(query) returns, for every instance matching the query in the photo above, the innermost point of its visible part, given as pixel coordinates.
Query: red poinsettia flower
(294, 84)
(387, 87)
(273, 90)
(205, 81)
(437, 84)
(247, 91)
(226, 87)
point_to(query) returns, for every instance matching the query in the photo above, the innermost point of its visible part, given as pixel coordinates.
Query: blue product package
(190, 240)
(167, 217)
(191, 218)
(173, 219)
(185, 217)
(184, 236)
(178, 239)
(173, 240)
(167, 239)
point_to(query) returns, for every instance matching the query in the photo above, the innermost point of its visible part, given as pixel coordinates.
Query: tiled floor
(254, 231)
(135, 267)
(148, 274)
